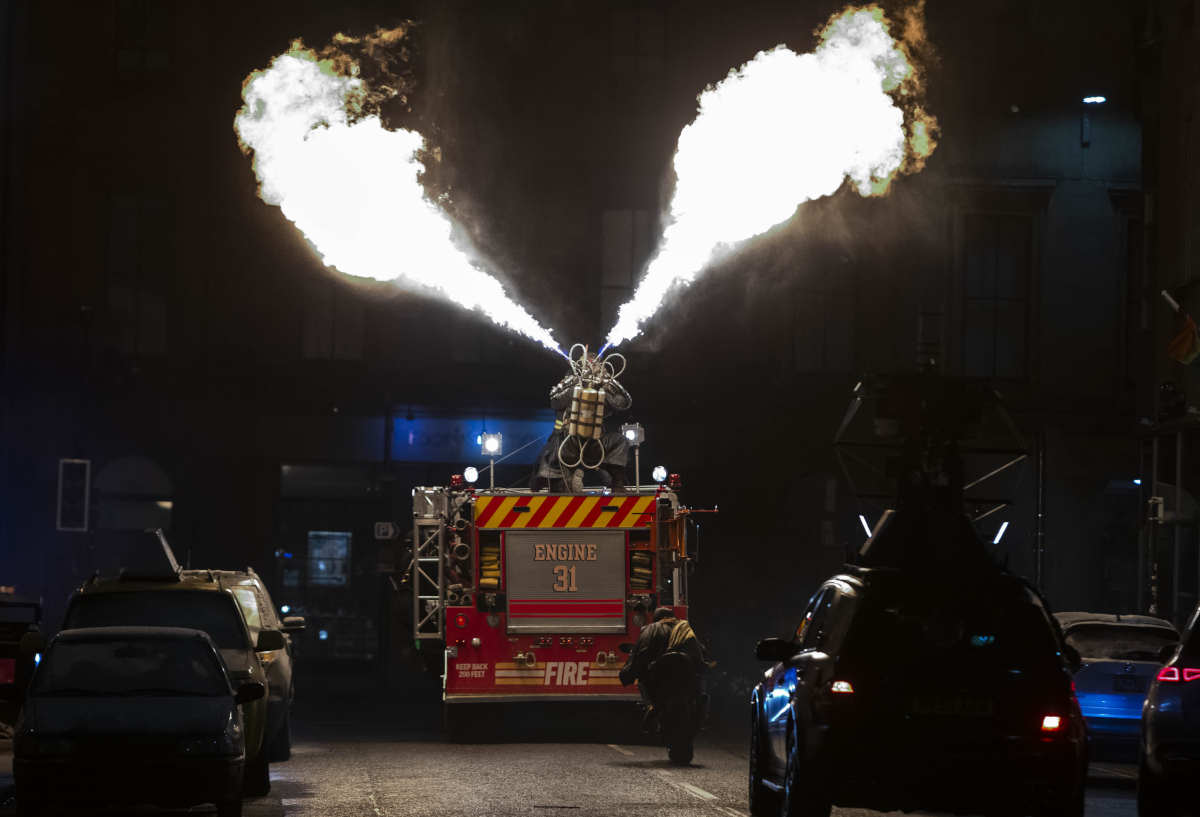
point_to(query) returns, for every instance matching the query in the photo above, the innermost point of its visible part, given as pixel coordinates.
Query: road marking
(290, 802)
(694, 791)
(619, 749)
(730, 811)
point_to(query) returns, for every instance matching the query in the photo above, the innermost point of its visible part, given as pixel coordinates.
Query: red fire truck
(532, 593)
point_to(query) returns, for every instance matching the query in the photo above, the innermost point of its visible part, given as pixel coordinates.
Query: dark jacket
(652, 643)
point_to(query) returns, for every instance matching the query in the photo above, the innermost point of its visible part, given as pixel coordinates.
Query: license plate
(1130, 683)
(974, 707)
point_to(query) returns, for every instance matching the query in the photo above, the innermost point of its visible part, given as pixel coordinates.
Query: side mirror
(1165, 653)
(250, 691)
(269, 640)
(33, 643)
(293, 625)
(12, 693)
(774, 649)
(625, 648)
(1074, 660)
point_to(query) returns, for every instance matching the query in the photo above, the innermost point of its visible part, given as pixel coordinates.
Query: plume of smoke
(783, 129)
(322, 154)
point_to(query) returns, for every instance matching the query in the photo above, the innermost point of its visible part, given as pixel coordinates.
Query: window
(996, 267)
(144, 29)
(627, 238)
(815, 626)
(638, 40)
(328, 558)
(334, 321)
(249, 604)
(823, 322)
(139, 266)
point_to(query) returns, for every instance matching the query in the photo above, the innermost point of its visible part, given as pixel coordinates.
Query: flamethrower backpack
(585, 418)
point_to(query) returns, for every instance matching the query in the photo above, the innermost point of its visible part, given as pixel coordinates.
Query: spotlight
(471, 474)
(659, 473)
(493, 444)
(634, 433)
(285, 609)
(1137, 482)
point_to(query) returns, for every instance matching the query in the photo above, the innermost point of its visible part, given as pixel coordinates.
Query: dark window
(1117, 642)
(638, 39)
(328, 558)
(823, 322)
(215, 613)
(334, 321)
(816, 627)
(144, 31)
(139, 271)
(996, 266)
(627, 238)
(137, 666)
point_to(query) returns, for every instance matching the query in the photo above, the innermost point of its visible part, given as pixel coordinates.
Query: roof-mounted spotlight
(659, 473)
(634, 433)
(471, 473)
(493, 444)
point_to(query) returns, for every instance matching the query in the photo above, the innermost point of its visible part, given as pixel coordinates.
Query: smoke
(781, 130)
(352, 186)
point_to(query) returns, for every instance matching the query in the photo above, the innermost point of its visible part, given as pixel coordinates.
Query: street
(348, 766)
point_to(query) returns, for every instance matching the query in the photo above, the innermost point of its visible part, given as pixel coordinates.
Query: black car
(1170, 766)
(904, 690)
(132, 715)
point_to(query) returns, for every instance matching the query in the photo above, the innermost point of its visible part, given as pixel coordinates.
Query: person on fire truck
(665, 634)
(549, 469)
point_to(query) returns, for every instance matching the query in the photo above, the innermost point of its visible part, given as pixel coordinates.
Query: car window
(928, 624)
(819, 618)
(143, 666)
(1120, 642)
(805, 619)
(214, 613)
(249, 604)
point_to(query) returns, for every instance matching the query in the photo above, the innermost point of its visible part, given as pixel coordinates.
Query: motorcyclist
(550, 470)
(665, 634)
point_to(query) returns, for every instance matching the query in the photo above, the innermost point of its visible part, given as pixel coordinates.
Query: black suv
(906, 690)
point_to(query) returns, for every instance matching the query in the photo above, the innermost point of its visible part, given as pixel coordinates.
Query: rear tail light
(841, 686)
(1176, 675)
(1052, 723)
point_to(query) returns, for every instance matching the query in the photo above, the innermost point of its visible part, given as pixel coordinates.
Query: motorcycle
(673, 688)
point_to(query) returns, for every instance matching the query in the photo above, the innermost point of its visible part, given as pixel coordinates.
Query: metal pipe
(637, 467)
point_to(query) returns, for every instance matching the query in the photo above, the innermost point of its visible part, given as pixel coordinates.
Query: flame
(323, 155)
(781, 130)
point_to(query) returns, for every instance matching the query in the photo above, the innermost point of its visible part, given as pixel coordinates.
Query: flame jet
(352, 188)
(781, 130)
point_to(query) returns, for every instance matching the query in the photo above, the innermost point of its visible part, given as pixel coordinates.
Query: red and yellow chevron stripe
(563, 511)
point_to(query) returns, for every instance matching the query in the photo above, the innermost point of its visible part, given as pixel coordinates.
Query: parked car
(161, 594)
(1120, 656)
(132, 715)
(906, 691)
(1170, 764)
(261, 614)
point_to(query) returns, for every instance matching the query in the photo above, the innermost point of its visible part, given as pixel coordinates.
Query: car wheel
(761, 798)
(256, 782)
(30, 802)
(281, 746)
(804, 794)
(230, 808)
(1155, 797)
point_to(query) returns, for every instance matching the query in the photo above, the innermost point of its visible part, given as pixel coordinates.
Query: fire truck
(531, 593)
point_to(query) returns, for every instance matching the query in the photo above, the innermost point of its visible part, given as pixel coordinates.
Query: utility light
(285, 609)
(1094, 100)
(1000, 533)
(470, 474)
(659, 473)
(866, 527)
(634, 433)
(493, 444)
(1137, 482)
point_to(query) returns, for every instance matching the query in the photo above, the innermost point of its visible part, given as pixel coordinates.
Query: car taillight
(1176, 675)
(1052, 723)
(841, 686)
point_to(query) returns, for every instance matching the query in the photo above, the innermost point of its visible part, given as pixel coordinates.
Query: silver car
(1170, 766)
(1121, 655)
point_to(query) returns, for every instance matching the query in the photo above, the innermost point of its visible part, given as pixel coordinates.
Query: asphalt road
(369, 767)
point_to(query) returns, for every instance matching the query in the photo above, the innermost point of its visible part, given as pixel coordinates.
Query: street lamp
(493, 446)
(635, 434)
